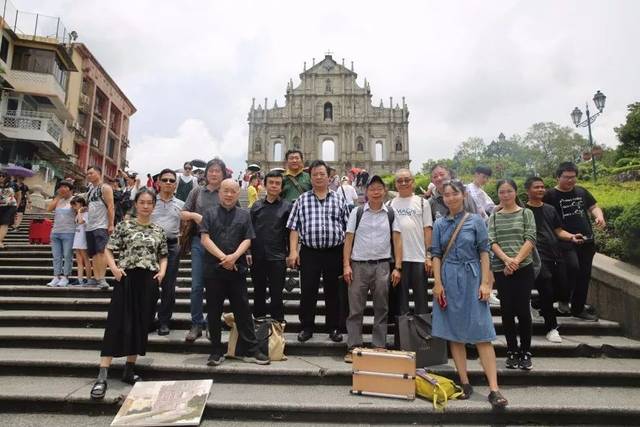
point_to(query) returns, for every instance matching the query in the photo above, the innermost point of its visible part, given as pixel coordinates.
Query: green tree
(551, 144)
(629, 133)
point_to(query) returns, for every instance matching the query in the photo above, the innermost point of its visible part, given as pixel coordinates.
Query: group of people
(14, 200)
(458, 235)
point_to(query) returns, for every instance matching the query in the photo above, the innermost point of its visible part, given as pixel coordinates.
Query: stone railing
(615, 292)
(33, 121)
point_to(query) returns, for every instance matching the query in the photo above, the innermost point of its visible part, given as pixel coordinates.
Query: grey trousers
(375, 278)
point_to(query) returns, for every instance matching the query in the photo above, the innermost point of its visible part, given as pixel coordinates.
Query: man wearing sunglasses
(167, 214)
(414, 217)
(186, 182)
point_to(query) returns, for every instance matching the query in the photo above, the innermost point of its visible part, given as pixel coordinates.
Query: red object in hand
(442, 301)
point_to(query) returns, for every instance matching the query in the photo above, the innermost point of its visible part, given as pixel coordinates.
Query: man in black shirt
(269, 249)
(574, 204)
(548, 231)
(225, 234)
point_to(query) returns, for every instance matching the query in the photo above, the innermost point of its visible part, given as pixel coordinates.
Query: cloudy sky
(466, 68)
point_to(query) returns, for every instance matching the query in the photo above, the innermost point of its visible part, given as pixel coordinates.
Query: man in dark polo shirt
(296, 181)
(270, 248)
(225, 234)
(167, 214)
(318, 218)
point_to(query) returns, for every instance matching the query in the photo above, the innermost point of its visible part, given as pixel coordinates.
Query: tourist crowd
(350, 245)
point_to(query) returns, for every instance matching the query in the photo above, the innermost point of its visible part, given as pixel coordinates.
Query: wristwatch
(398, 268)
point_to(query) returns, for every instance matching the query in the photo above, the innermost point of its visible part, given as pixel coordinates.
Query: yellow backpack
(436, 388)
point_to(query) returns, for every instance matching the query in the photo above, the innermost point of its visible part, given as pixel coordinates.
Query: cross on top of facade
(329, 53)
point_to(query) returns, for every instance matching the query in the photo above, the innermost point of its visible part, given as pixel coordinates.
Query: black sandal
(467, 391)
(497, 400)
(131, 379)
(99, 389)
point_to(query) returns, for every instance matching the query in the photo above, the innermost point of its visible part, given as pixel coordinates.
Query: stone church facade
(329, 116)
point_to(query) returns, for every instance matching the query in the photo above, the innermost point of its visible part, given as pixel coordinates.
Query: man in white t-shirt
(414, 216)
(348, 192)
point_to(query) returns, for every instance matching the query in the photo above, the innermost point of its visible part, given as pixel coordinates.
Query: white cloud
(466, 68)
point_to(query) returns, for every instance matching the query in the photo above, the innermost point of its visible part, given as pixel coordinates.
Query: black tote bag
(414, 334)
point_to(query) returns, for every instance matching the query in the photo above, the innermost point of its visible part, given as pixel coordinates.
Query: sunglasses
(168, 180)
(404, 180)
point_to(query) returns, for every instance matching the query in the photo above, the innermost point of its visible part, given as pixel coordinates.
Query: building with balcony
(101, 113)
(60, 111)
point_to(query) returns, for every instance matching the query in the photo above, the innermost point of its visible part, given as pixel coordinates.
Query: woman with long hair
(512, 235)
(461, 313)
(142, 263)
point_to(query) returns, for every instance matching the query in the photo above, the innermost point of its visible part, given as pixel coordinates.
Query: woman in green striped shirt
(512, 236)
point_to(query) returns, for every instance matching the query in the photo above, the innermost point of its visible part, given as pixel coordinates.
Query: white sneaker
(63, 282)
(493, 300)
(54, 282)
(563, 308)
(554, 336)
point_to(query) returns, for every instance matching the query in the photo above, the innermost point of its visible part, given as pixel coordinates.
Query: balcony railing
(36, 83)
(32, 125)
(33, 26)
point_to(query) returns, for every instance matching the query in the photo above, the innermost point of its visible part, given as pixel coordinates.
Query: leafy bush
(627, 227)
(631, 167)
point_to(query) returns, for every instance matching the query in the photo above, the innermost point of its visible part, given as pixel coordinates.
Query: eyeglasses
(403, 181)
(168, 180)
(568, 178)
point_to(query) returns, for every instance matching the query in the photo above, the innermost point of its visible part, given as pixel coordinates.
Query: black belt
(375, 261)
(323, 249)
(172, 240)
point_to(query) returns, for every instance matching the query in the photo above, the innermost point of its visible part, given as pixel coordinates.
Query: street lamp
(599, 98)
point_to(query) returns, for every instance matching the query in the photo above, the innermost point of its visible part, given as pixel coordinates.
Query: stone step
(309, 370)
(93, 299)
(334, 403)
(96, 319)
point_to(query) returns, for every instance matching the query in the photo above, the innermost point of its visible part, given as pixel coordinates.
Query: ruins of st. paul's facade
(329, 116)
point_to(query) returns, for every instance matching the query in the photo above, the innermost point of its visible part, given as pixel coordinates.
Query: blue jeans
(197, 282)
(62, 250)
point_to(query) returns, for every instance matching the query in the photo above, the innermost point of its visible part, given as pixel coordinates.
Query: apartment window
(39, 61)
(4, 49)
(111, 148)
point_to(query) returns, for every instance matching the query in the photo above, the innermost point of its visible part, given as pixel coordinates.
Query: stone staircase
(49, 341)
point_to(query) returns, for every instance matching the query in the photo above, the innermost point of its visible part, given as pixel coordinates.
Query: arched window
(257, 145)
(359, 144)
(328, 150)
(378, 152)
(328, 111)
(296, 142)
(398, 145)
(277, 151)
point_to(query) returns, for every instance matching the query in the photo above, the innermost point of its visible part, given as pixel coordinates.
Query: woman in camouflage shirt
(142, 263)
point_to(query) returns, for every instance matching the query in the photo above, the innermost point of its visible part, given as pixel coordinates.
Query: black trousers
(514, 292)
(168, 285)
(269, 274)
(316, 263)
(231, 285)
(545, 285)
(578, 262)
(413, 277)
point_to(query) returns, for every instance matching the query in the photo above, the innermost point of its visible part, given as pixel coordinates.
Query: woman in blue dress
(461, 313)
